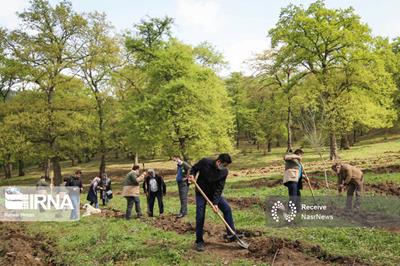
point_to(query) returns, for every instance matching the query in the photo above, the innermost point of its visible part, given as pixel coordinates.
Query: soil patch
(266, 249)
(111, 213)
(388, 188)
(18, 248)
(260, 182)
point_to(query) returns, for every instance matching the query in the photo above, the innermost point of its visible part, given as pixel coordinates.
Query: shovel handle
(212, 205)
(308, 182)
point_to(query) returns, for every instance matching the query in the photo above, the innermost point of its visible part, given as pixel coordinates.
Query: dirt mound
(260, 182)
(19, 248)
(111, 213)
(279, 251)
(316, 183)
(265, 249)
(171, 223)
(245, 202)
(377, 164)
(388, 188)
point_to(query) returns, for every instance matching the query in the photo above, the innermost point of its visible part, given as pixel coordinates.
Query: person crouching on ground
(212, 176)
(353, 178)
(293, 176)
(154, 187)
(130, 191)
(92, 193)
(182, 174)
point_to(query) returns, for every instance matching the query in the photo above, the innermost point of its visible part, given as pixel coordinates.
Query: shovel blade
(243, 244)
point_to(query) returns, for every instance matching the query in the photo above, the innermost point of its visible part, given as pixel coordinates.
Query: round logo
(278, 208)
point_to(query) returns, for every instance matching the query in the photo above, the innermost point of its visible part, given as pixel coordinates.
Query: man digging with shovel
(209, 186)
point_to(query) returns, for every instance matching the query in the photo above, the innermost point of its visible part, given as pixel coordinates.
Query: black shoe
(180, 215)
(200, 246)
(232, 238)
(138, 215)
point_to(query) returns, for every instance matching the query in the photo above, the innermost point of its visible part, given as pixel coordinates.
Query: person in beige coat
(293, 175)
(130, 191)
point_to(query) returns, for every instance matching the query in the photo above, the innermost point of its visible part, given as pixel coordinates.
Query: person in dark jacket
(293, 175)
(92, 193)
(211, 179)
(182, 174)
(105, 189)
(75, 187)
(154, 187)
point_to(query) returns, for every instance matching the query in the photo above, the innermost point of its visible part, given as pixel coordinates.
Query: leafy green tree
(237, 86)
(99, 58)
(332, 44)
(281, 73)
(185, 107)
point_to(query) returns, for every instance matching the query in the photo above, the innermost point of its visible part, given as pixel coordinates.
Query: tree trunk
(278, 144)
(237, 134)
(269, 145)
(354, 136)
(136, 158)
(21, 171)
(182, 148)
(47, 168)
(344, 142)
(289, 130)
(7, 166)
(102, 168)
(7, 170)
(332, 146)
(55, 161)
(116, 155)
(102, 148)
(72, 161)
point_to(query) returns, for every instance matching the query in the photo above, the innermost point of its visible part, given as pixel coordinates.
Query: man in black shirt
(211, 179)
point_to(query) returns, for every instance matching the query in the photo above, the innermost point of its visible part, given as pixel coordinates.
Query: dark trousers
(294, 192)
(130, 201)
(201, 211)
(183, 189)
(351, 189)
(152, 198)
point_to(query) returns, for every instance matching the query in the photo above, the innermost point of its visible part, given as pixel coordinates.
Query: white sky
(238, 28)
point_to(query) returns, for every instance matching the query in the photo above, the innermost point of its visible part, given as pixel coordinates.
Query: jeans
(351, 189)
(200, 215)
(75, 204)
(152, 198)
(104, 197)
(183, 189)
(95, 203)
(294, 192)
(130, 200)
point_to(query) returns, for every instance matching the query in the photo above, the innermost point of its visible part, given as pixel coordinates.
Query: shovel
(240, 242)
(308, 183)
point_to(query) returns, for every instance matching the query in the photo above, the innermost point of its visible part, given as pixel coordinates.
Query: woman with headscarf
(92, 193)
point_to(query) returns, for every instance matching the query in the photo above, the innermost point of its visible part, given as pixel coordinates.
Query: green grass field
(101, 240)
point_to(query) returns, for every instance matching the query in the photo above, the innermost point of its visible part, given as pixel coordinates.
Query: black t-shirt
(211, 179)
